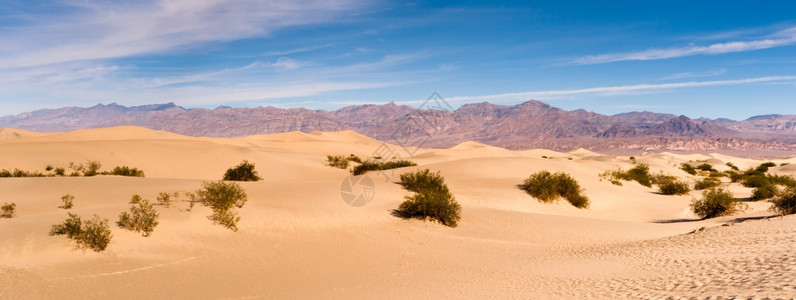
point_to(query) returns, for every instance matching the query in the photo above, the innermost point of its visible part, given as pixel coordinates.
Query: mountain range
(531, 124)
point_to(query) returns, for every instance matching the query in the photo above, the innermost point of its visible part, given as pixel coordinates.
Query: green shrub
(221, 197)
(785, 204)
(8, 210)
(125, 171)
(432, 199)
(60, 171)
(20, 173)
(354, 158)
(337, 161)
(716, 202)
(164, 199)
(48, 168)
(242, 172)
(705, 167)
(135, 199)
(756, 181)
(764, 192)
(783, 180)
(640, 173)
(732, 166)
(764, 166)
(68, 201)
(94, 234)
(661, 178)
(547, 187)
(688, 169)
(143, 218)
(370, 165)
(92, 169)
(673, 187)
(706, 183)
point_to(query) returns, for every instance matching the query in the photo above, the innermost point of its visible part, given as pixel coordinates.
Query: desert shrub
(547, 187)
(661, 178)
(706, 183)
(756, 181)
(221, 197)
(8, 210)
(135, 199)
(68, 201)
(92, 168)
(784, 180)
(71, 227)
(242, 172)
(764, 192)
(370, 165)
(142, 218)
(716, 202)
(48, 168)
(640, 173)
(164, 199)
(60, 171)
(125, 171)
(20, 173)
(688, 169)
(354, 158)
(673, 187)
(432, 199)
(337, 161)
(732, 166)
(785, 204)
(705, 167)
(764, 166)
(94, 234)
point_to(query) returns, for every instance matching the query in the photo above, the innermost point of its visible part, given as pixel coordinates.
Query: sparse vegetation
(242, 172)
(706, 183)
(68, 201)
(640, 173)
(706, 167)
(432, 199)
(94, 234)
(673, 187)
(547, 187)
(337, 161)
(135, 199)
(142, 218)
(164, 199)
(688, 168)
(92, 168)
(370, 165)
(785, 204)
(8, 210)
(716, 202)
(764, 192)
(732, 166)
(60, 172)
(125, 171)
(221, 197)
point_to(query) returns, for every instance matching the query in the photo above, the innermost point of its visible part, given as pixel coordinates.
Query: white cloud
(618, 90)
(683, 75)
(111, 29)
(782, 38)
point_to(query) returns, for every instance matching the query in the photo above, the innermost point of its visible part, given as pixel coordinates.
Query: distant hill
(525, 125)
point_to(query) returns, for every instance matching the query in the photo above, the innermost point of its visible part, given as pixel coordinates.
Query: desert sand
(299, 239)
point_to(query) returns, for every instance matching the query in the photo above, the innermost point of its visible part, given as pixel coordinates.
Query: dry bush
(549, 187)
(432, 199)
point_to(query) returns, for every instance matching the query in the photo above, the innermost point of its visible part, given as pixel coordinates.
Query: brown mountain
(525, 125)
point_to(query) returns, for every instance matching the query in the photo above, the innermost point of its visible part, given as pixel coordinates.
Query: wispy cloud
(619, 90)
(782, 38)
(683, 75)
(109, 29)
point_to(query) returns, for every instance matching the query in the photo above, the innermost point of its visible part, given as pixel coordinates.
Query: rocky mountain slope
(526, 125)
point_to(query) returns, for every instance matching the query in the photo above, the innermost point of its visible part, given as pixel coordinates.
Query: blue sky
(699, 58)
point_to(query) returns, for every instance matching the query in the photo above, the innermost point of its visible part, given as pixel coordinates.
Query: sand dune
(298, 239)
